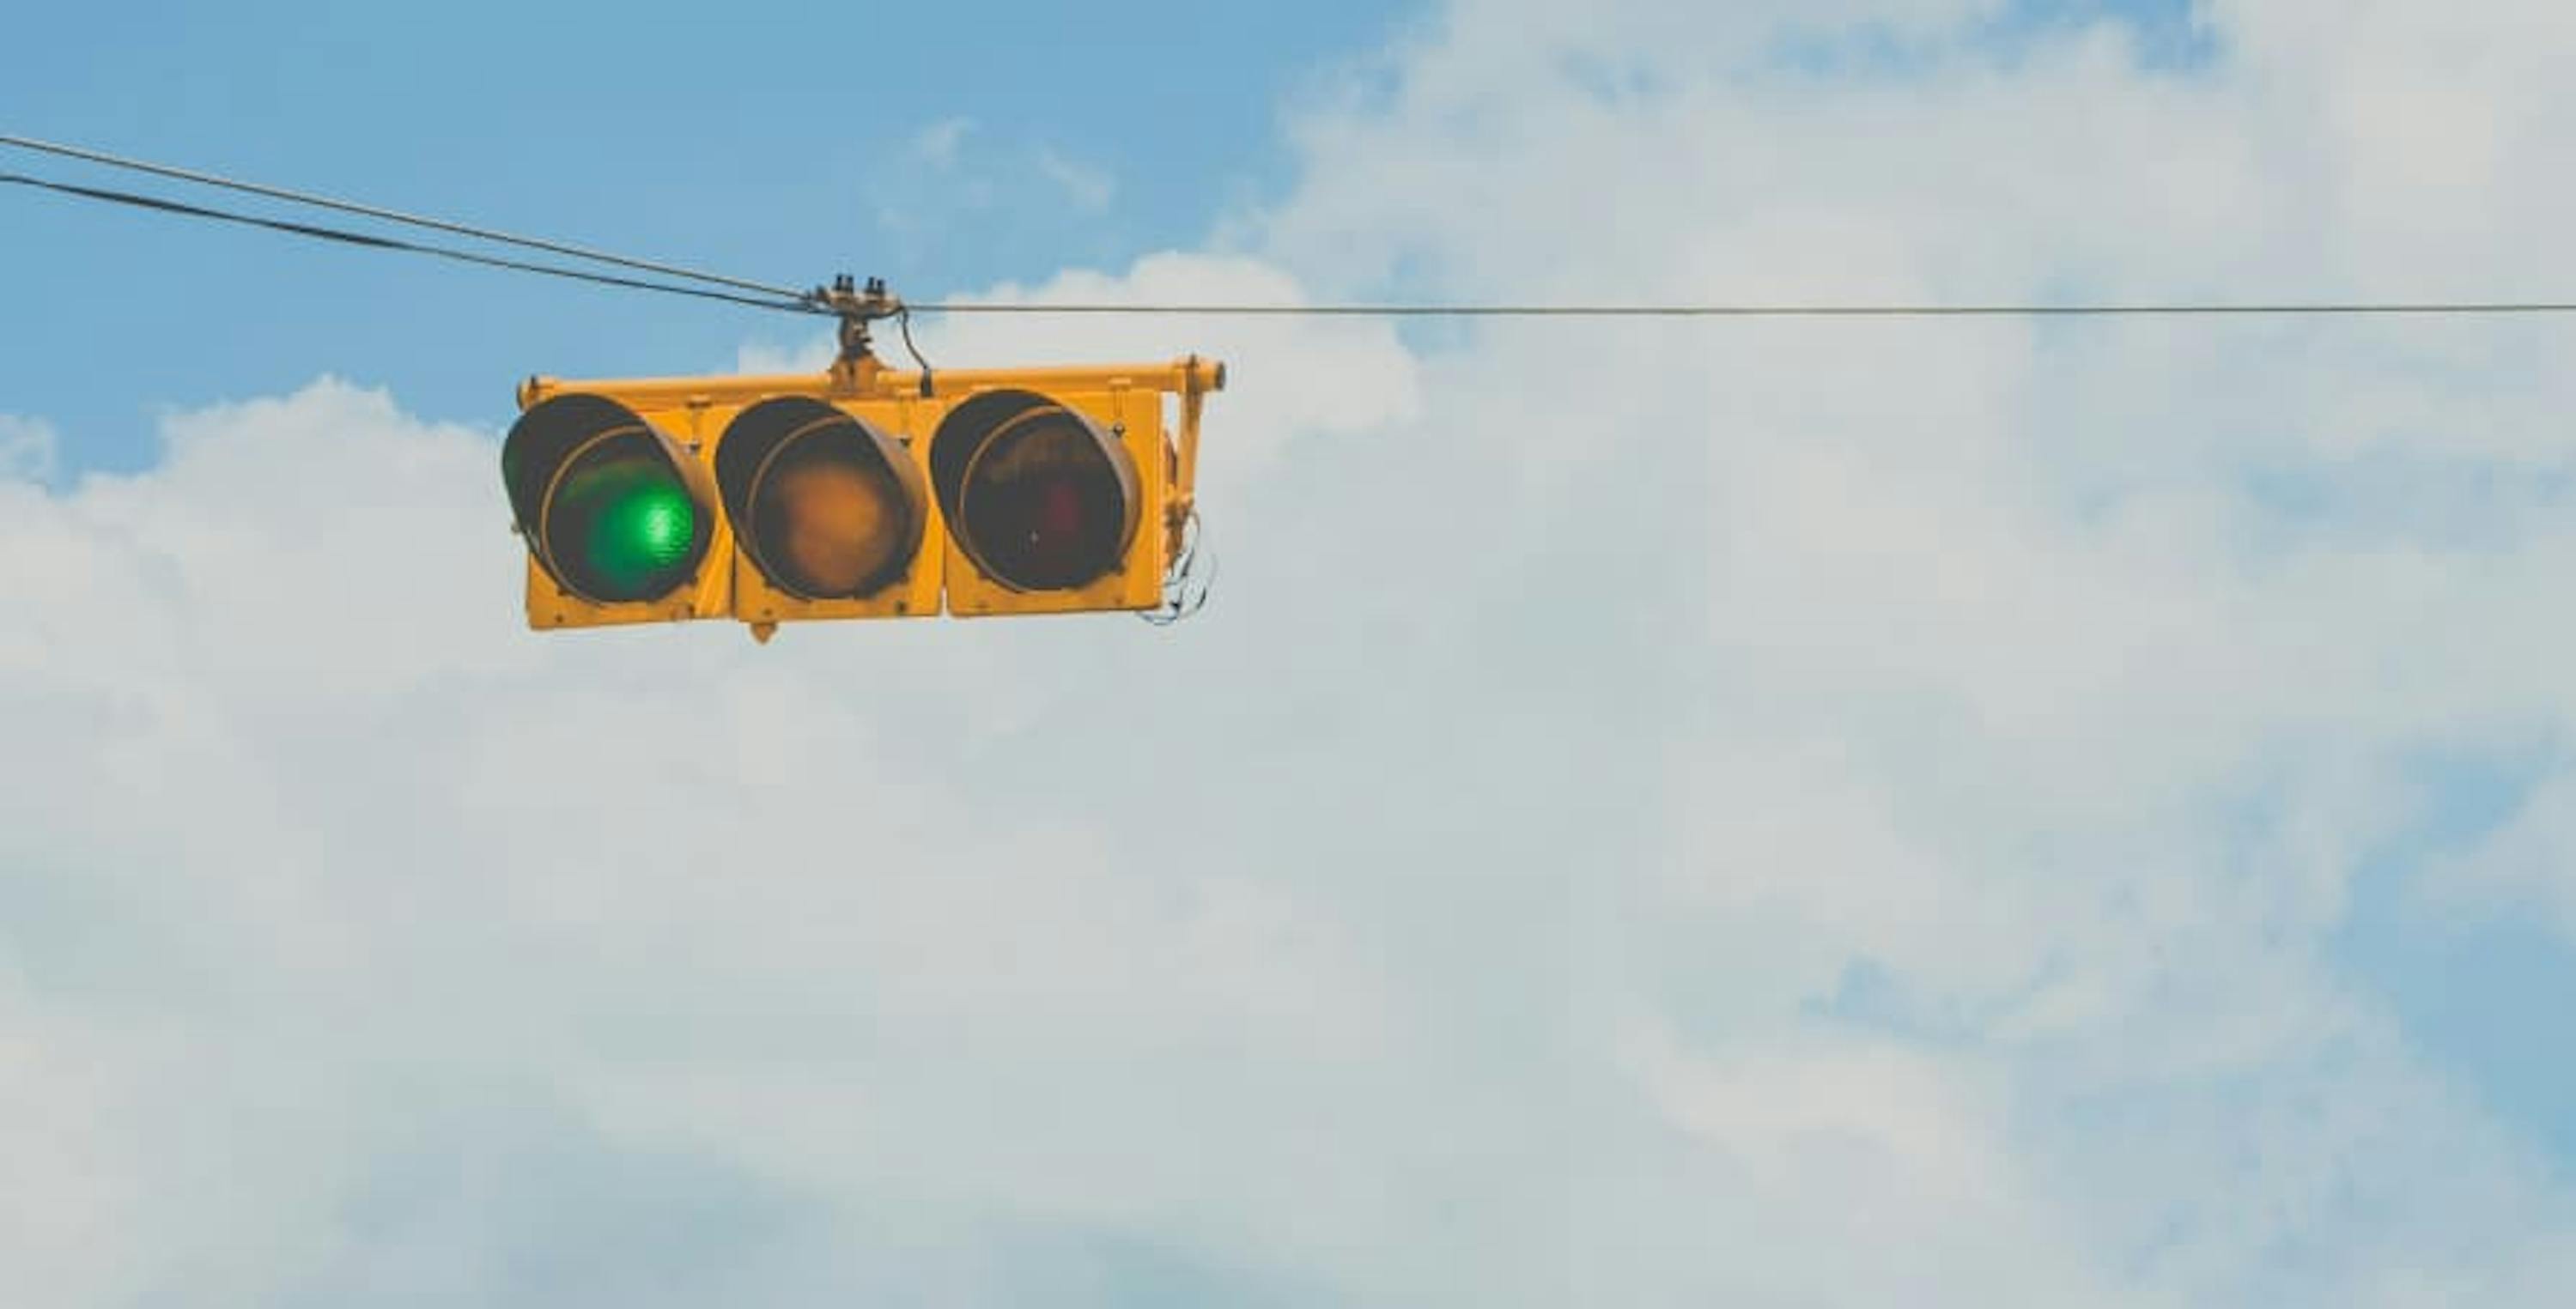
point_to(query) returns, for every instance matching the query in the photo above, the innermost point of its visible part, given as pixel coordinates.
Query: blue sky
(781, 146)
(774, 145)
(2096, 791)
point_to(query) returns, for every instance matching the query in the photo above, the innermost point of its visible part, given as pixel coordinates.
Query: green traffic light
(632, 524)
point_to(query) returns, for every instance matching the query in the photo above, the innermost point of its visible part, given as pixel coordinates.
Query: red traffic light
(1037, 495)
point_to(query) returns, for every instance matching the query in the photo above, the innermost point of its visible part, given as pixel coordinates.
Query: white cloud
(1088, 186)
(2528, 860)
(937, 144)
(27, 448)
(1741, 813)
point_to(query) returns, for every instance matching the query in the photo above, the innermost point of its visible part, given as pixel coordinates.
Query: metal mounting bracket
(857, 307)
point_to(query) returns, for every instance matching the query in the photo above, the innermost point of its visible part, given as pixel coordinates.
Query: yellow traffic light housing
(860, 493)
(1054, 502)
(831, 513)
(620, 518)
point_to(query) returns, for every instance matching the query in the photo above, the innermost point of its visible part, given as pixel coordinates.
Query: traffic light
(1052, 501)
(859, 493)
(830, 511)
(619, 517)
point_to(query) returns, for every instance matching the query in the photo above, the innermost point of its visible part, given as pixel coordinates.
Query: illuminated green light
(633, 526)
(644, 533)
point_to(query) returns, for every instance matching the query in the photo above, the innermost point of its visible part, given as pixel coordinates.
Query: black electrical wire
(787, 299)
(1185, 591)
(2462, 307)
(374, 242)
(391, 216)
(903, 320)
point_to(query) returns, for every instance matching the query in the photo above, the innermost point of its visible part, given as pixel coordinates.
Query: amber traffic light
(830, 512)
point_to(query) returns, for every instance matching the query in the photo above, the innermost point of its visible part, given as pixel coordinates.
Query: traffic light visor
(1036, 494)
(604, 500)
(827, 506)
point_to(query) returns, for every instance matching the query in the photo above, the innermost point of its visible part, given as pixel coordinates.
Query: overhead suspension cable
(371, 241)
(789, 300)
(2460, 307)
(393, 216)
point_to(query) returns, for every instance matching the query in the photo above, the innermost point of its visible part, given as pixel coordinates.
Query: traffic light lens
(634, 532)
(829, 525)
(826, 506)
(613, 511)
(1044, 506)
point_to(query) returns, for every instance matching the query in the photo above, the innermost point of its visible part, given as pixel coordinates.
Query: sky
(1959, 813)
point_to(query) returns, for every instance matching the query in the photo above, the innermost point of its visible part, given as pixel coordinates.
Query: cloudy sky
(1965, 813)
